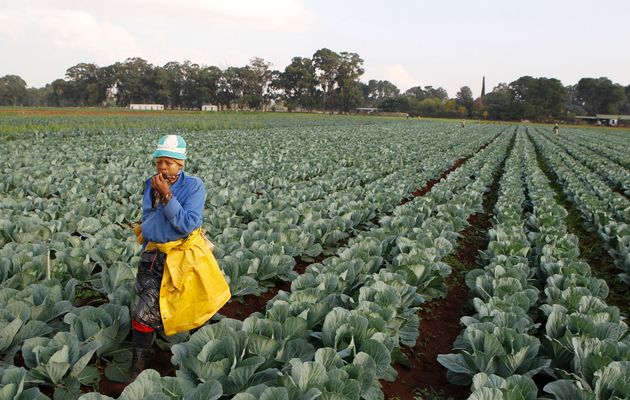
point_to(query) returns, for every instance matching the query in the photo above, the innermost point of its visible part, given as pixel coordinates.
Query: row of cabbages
(334, 335)
(616, 203)
(603, 166)
(608, 143)
(261, 217)
(496, 352)
(587, 341)
(608, 212)
(583, 344)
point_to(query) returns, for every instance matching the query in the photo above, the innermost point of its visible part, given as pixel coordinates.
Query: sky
(447, 43)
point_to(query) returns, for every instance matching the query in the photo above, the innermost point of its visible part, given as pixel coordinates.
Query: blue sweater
(179, 217)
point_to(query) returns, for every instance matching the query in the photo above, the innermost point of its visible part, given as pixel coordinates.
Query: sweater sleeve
(187, 215)
(147, 207)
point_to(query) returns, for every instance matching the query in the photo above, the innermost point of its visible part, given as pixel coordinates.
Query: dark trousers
(148, 280)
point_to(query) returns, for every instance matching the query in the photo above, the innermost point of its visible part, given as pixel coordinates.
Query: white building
(153, 107)
(209, 107)
(604, 119)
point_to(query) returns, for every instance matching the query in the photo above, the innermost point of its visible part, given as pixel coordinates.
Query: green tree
(538, 98)
(349, 93)
(427, 92)
(573, 104)
(257, 79)
(379, 91)
(230, 87)
(451, 109)
(298, 83)
(60, 93)
(499, 103)
(625, 107)
(428, 107)
(200, 85)
(600, 96)
(37, 97)
(350, 96)
(135, 81)
(208, 79)
(479, 107)
(398, 104)
(437, 93)
(170, 81)
(88, 84)
(416, 92)
(326, 63)
(12, 90)
(465, 99)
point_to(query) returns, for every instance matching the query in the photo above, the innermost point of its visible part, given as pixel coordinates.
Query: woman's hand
(160, 184)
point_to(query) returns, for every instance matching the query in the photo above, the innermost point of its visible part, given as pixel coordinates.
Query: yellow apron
(193, 287)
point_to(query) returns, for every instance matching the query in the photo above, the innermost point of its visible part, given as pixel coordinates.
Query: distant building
(150, 107)
(366, 110)
(604, 119)
(209, 107)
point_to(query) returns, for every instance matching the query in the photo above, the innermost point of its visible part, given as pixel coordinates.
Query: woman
(179, 284)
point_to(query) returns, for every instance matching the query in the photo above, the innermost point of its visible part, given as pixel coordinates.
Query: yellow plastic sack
(193, 286)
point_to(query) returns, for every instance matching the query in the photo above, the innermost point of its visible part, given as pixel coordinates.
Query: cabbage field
(335, 234)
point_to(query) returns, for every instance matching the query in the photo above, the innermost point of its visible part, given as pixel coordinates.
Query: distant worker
(463, 124)
(556, 130)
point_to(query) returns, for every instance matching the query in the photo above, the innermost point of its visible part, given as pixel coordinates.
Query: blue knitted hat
(172, 146)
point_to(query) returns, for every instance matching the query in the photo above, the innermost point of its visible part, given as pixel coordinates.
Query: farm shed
(605, 119)
(209, 107)
(366, 110)
(153, 107)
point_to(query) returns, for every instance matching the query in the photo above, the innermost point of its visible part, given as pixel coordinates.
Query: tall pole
(48, 259)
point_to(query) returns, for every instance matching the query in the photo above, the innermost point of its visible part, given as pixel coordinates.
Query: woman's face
(168, 166)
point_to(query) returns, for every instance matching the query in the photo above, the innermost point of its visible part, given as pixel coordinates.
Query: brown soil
(161, 363)
(621, 192)
(110, 388)
(439, 326)
(86, 296)
(18, 360)
(429, 185)
(241, 308)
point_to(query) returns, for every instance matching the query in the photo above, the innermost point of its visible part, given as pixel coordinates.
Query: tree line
(328, 81)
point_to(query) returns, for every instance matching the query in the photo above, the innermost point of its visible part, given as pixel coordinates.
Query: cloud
(280, 16)
(399, 76)
(270, 16)
(68, 29)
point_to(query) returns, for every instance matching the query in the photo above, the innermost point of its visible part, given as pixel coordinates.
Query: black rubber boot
(141, 352)
(140, 360)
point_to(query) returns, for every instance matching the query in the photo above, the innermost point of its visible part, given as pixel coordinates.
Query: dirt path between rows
(422, 376)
